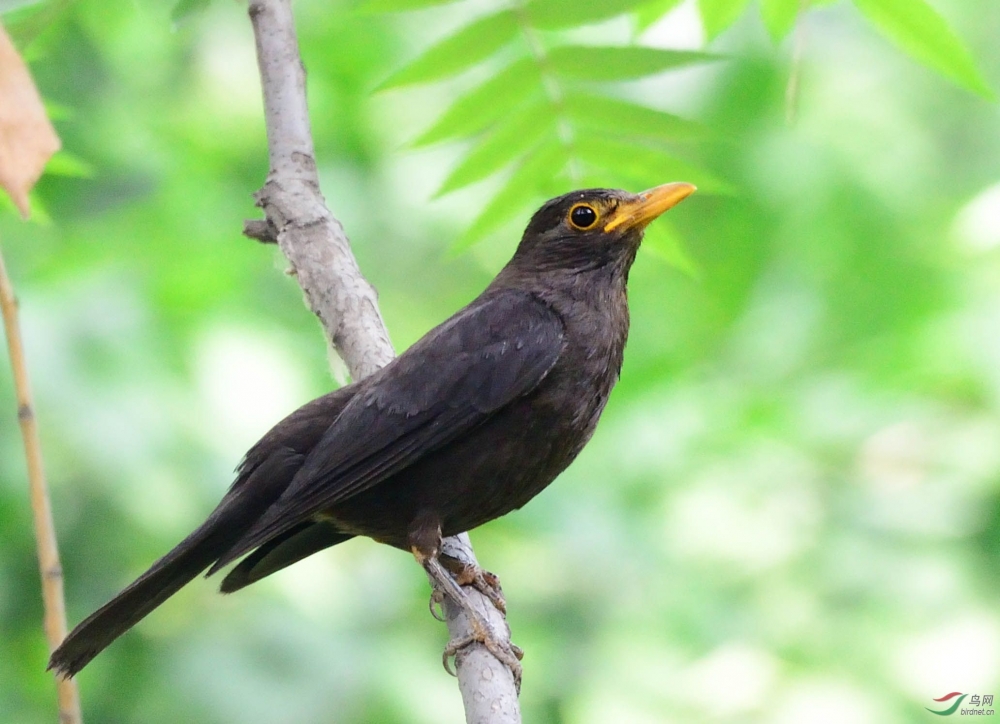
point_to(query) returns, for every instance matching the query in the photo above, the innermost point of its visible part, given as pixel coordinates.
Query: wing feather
(493, 352)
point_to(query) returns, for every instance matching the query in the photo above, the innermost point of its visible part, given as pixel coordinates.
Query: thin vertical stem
(45, 532)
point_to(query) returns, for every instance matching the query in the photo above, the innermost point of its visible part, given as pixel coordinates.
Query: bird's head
(594, 227)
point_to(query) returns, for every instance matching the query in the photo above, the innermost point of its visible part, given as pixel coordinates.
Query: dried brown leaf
(27, 138)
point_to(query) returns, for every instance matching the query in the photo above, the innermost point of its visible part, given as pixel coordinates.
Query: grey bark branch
(487, 685)
(319, 252)
(310, 237)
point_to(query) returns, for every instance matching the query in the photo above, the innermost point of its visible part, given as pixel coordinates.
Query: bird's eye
(582, 216)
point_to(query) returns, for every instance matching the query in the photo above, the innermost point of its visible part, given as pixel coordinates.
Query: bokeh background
(790, 512)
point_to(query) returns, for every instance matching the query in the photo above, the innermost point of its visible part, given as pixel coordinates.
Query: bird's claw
(505, 652)
(488, 584)
(436, 606)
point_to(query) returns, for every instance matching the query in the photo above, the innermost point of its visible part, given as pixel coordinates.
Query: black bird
(470, 423)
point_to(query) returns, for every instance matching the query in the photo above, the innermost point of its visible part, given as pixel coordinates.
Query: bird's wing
(491, 353)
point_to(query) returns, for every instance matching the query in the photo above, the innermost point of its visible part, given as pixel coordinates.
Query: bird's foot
(448, 574)
(500, 646)
(436, 604)
(482, 632)
(468, 574)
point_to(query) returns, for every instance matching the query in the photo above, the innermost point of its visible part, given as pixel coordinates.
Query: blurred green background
(790, 512)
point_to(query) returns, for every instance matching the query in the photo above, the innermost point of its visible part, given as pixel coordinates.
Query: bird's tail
(245, 502)
(193, 555)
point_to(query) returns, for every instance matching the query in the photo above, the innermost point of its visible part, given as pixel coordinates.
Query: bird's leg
(468, 574)
(425, 544)
(482, 632)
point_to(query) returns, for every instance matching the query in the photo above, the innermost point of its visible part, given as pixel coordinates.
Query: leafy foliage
(650, 12)
(717, 15)
(561, 14)
(919, 30)
(779, 16)
(914, 25)
(547, 118)
(27, 20)
(555, 108)
(473, 43)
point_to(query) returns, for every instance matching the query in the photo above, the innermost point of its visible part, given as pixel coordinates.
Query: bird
(467, 425)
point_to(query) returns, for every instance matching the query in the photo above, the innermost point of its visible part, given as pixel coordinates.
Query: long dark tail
(241, 507)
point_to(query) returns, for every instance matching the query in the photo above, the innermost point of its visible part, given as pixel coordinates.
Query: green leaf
(525, 185)
(629, 119)
(662, 240)
(649, 13)
(647, 165)
(64, 163)
(717, 15)
(603, 63)
(554, 14)
(779, 16)
(184, 9)
(920, 31)
(398, 6)
(470, 45)
(26, 23)
(509, 139)
(476, 110)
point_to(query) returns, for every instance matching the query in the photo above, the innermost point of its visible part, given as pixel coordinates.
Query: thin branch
(320, 255)
(45, 532)
(309, 236)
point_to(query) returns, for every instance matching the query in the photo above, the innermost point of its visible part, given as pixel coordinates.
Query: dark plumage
(468, 424)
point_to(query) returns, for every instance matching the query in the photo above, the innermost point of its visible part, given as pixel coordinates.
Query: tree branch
(308, 234)
(45, 532)
(320, 255)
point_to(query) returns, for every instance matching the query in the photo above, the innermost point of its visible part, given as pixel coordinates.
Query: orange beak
(648, 205)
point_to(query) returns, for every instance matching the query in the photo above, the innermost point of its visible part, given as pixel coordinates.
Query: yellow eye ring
(582, 217)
